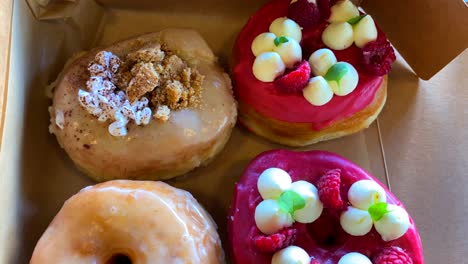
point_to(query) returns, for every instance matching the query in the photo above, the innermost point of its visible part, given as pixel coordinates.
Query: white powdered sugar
(106, 102)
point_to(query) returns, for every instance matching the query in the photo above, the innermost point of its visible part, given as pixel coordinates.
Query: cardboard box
(417, 146)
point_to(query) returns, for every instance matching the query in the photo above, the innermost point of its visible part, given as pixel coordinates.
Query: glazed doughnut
(130, 222)
(307, 101)
(317, 207)
(169, 83)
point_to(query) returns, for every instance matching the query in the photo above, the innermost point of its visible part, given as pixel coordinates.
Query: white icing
(354, 258)
(338, 36)
(269, 218)
(321, 60)
(263, 43)
(356, 222)
(119, 127)
(343, 11)
(393, 224)
(313, 206)
(286, 27)
(291, 255)
(290, 52)
(273, 182)
(267, 66)
(318, 92)
(106, 103)
(348, 82)
(365, 31)
(60, 119)
(364, 193)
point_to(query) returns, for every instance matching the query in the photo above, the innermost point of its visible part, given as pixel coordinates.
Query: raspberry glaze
(294, 108)
(323, 239)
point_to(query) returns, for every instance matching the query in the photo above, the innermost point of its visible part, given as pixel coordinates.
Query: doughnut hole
(119, 258)
(327, 232)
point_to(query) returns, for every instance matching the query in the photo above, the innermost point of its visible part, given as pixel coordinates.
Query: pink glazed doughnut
(324, 239)
(286, 117)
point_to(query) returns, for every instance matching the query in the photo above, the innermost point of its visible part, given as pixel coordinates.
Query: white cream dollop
(393, 224)
(267, 66)
(348, 81)
(269, 218)
(291, 255)
(355, 221)
(366, 196)
(273, 182)
(364, 193)
(321, 60)
(318, 92)
(354, 258)
(276, 50)
(343, 11)
(286, 27)
(313, 206)
(365, 31)
(263, 43)
(290, 52)
(338, 36)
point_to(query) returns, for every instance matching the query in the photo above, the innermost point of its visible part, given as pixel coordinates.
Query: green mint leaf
(355, 20)
(378, 210)
(336, 72)
(279, 40)
(290, 201)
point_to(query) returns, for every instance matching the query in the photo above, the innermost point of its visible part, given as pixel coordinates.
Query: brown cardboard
(37, 176)
(428, 34)
(423, 131)
(7, 202)
(5, 29)
(52, 9)
(44, 175)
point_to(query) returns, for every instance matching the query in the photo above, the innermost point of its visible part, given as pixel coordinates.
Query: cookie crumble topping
(148, 83)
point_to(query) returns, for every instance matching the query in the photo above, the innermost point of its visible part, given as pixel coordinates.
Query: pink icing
(323, 239)
(294, 107)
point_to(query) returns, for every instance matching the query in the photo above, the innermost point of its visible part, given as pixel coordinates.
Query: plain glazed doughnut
(140, 222)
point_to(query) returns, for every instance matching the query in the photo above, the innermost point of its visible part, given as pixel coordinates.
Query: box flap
(51, 9)
(238, 7)
(427, 33)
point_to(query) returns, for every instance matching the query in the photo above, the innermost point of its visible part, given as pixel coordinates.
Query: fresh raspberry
(314, 261)
(312, 40)
(377, 57)
(274, 242)
(304, 13)
(392, 255)
(329, 189)
(324, 7)
(295, 80)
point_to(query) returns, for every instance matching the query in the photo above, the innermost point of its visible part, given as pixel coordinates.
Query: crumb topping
(162, 114)
(147, 81)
